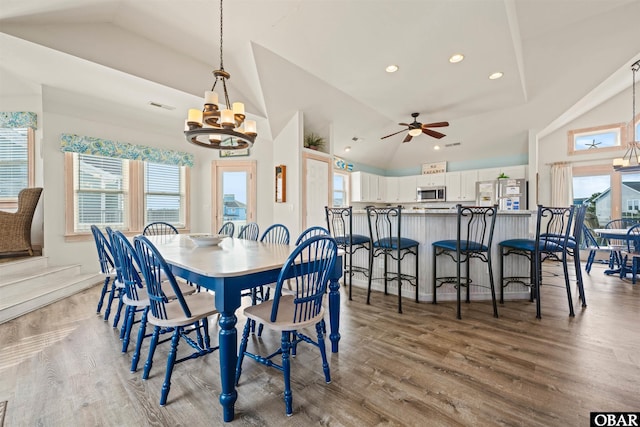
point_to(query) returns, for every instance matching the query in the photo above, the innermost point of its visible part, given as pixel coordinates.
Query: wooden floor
(62, 366)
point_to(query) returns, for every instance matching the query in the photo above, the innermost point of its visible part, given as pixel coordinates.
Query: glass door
(234, 193)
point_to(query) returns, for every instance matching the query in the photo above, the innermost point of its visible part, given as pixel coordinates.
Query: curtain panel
(123, 150)
(18, 119)
(561, 184)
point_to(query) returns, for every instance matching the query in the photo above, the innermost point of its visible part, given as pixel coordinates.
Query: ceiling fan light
(415, 132)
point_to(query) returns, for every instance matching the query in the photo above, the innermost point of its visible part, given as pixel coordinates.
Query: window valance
(18, 119)
(123, 150)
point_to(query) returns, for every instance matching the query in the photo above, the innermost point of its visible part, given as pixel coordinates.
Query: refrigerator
(509, 194)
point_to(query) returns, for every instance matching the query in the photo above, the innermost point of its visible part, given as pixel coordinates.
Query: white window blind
(164, 193)
(14, 161)
(101, 188)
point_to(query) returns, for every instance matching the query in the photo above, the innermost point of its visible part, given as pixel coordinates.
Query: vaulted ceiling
(327, 59)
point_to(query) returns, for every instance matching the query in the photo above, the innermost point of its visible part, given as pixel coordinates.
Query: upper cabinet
(366, 187)
(461, 186)
(400, 189)
(431, 180)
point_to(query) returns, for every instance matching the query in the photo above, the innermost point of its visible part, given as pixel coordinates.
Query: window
(602, 139)
(103, 191)
(100, 188)
(164, 194)
(340, 193)
(16, 165)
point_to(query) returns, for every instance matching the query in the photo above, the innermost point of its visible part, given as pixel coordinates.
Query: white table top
(622, 232)
(232, 257)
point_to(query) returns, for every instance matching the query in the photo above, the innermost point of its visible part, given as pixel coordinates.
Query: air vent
(157, 104)
(453, 144)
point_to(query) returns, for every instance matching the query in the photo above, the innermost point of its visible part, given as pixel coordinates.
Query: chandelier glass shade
(630, 162)
(221, 126)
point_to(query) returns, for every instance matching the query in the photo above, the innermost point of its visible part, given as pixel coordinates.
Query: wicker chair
(15, 227)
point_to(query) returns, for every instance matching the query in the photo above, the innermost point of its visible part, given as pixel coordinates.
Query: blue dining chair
(632, 251)
(250, 231)
(474, 236)
(228, 228)
(594, 247)
(111, 285)
(159, 228)
(185, 313)
(310, 232)
(276, 233)
(135, 296)
(309, 267)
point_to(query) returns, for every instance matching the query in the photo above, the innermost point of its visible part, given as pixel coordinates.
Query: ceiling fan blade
(435, 125)
(404, 124)
(433, 133)
(407, 138)
(400, 131)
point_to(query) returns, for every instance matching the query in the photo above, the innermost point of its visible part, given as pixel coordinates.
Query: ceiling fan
(416, 128)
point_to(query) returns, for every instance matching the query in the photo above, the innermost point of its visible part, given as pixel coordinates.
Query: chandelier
(630, 162)
(220, 127)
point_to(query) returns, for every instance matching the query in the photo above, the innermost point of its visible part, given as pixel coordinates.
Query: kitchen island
(430, 225)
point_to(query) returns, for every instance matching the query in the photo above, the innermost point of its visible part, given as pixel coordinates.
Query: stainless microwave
(431, 194)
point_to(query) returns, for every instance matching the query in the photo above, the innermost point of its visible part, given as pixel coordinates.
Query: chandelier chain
(634, 69)
(221, 56)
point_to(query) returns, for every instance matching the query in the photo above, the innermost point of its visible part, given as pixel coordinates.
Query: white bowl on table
(203, 239)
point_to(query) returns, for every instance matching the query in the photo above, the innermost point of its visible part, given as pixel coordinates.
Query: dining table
(620, 234)
(228, 268)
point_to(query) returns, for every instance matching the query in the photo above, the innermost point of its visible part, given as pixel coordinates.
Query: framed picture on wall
(234, 153)
(281, 184)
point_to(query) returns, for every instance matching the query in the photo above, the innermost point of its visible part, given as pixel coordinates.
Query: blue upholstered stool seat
(530, 245)
(356, 239)
(392, 243)
(451, 245)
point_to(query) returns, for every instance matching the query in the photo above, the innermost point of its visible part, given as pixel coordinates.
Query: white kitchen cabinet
(400, 189)
(431, 180)
(359, 187)
(407, 189)
(367, 187)
(461, 186)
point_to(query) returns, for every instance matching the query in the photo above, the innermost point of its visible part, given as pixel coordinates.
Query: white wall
(287, 151)
(554, 147)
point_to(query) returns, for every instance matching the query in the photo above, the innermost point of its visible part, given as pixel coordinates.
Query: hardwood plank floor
(62, 366)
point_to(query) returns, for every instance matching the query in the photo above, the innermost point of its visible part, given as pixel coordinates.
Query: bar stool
(553, 228)
(475, 225)
(385, 225)
(340, 226)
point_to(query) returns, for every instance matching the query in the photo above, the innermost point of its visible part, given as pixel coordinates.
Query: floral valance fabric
(123, 150)
(18, 119)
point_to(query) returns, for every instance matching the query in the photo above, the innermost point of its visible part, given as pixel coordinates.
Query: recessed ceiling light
(347, 148)
(436, 147)
(391, 68)
(456, 58)
(495, 76)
